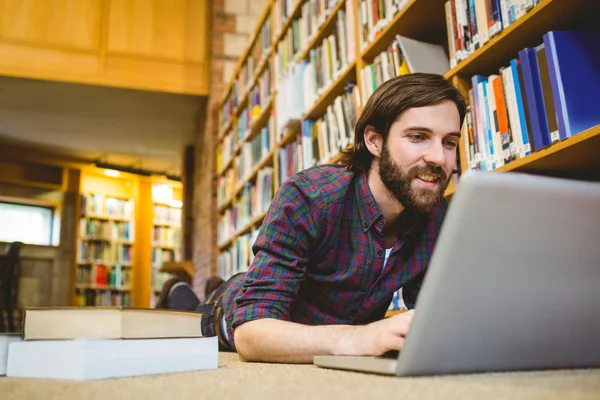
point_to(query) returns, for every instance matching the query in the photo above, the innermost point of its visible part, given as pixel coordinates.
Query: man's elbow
(244, 343)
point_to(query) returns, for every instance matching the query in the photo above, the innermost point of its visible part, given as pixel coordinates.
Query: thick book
(5, 340)
(533, 88)
(109, 323)
(87, 359)
(573, 63)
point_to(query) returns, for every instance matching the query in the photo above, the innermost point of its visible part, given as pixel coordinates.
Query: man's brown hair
(390, 101)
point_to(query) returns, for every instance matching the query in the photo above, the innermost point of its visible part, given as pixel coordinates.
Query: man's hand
(376, 338)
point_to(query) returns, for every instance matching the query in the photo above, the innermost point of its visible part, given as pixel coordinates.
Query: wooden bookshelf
(423, 20)
(105, 240)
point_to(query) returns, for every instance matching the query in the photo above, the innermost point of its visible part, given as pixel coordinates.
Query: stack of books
(106, 342)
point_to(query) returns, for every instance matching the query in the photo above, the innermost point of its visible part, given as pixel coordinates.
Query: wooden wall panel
(161, 75)
(140, 27)
(160, 45)
(198, 33)
(68, 23)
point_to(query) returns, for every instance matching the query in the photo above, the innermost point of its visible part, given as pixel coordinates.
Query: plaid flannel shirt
(319, 255)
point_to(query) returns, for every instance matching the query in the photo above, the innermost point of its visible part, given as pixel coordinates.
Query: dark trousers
(184, 298)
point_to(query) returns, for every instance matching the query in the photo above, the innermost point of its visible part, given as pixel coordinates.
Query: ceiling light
(112, 173)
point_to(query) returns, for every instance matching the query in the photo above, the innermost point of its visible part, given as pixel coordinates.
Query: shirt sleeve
(281, 253)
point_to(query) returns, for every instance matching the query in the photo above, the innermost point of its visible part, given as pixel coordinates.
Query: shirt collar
(367, 207)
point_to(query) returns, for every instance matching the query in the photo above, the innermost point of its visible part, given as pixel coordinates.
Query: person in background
(339, 240)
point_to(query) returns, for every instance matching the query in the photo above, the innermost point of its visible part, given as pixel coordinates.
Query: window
(26, 223)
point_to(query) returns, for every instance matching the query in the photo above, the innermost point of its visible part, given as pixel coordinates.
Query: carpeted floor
(238, 380)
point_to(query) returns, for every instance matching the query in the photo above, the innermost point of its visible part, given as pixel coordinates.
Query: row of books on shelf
(158, 279)
(105, 252)
(238, 257)
(472, 23)
(167, 215)
(298, 37)
(99, 275)
(90, 228)
(317, 143)
(254, 200)
(161, 256)
(299, 87)
(374, 16)
(166, 236)
(99, 205)
(324, 138)
(242, 84)
(251, 152)
(103, 298)
(543, 96)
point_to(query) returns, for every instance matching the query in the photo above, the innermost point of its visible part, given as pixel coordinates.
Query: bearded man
(339, 240)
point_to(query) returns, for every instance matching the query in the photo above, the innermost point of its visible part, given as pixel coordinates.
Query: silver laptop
(513, 284)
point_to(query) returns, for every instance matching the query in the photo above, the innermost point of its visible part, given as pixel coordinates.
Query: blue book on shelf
(574, 64)
(520, 106)
(540, 132)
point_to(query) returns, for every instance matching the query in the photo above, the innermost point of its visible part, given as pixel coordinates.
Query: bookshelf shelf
(259, 70)
(105, 218)
(419, 19)
(253, 37)
(527, 31)
(575, 155)
(245, 229)
(229, 163)
(226, 243)
(268, 159)
(289, 136)
(226, 129)
(103, 287)
(333, 91)
(323, 31)
(259, 122)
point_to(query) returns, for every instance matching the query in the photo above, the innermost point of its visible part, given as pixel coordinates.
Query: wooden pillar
(142, 250)
(69, 225)
(187, 214)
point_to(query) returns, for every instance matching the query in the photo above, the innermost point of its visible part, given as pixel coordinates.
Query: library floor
(235, 380)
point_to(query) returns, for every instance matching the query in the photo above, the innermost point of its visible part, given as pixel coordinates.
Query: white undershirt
(387, 254)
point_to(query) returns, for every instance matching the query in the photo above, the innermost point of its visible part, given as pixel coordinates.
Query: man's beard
(398, 180)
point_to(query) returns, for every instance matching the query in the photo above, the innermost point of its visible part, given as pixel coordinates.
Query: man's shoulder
(331, 181)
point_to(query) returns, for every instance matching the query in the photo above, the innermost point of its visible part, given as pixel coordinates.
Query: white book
(87, 359)
(5, 340)
(423, 57)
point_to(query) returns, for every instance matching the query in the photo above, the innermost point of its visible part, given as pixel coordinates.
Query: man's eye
(417, 137)
(451, 145)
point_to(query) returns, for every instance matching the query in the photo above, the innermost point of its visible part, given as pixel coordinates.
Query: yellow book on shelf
(108, 323)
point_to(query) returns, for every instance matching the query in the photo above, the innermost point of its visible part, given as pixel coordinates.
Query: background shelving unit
(166, 232)
(105, 242)
(289, 36)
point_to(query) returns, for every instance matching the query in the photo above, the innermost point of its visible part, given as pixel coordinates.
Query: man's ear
(373, 141)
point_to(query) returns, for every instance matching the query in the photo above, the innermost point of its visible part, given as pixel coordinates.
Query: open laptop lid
(514, 281)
